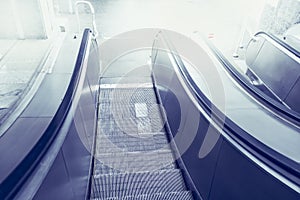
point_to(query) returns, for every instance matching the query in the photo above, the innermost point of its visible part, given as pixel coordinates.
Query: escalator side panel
(69, 177)
(276, 67)
(237, 177)
(293, 97)
(225, 169)
(181, 114)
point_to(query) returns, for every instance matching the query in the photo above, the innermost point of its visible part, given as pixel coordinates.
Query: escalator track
(133, 158)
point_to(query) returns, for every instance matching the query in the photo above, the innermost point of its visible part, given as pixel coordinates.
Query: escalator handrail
(280, 163)
(14, 181)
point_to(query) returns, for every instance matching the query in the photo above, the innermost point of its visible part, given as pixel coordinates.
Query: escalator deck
(133, 158)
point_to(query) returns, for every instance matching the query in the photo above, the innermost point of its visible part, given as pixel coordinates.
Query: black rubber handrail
(15, 180)
(280, 163)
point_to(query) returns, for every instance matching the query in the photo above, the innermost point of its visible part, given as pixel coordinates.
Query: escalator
(274, 65)
(271, 74)
(137, 160)
(147, 132)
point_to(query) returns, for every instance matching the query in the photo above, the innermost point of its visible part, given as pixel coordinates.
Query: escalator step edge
(181, 195)
(135, 184)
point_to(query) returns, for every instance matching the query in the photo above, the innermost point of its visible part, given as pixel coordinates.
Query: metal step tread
(131, 126)
(119, 137)
(101, 168)
(116, 151)
(127, 95)
(135, 161)
(181, 195)
(137, 183)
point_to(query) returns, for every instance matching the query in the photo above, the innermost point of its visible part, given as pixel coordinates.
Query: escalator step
(127, 95)
(182, 195)
(104, 169)
(131, 126)
(134, 184)
(129, 143)
(133, 157)
(135, 161)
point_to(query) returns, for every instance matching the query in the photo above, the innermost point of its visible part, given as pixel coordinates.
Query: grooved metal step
(182, 195)
(135, 161)
(130, 143)
(131, 126)
(133, 158)
(127, 95)
(134, 184)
